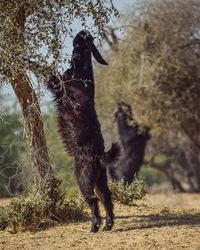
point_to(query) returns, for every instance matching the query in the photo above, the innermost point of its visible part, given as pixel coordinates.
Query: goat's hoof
(108, 226)
(95, 228)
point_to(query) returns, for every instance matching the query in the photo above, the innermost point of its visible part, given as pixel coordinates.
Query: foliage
(38, 30)
(128, 194)
(11, 134)
(33, 213)
(152, 176)
(156, 68)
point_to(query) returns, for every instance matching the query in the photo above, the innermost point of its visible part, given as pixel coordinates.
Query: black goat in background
(80, 129)
(133, 143)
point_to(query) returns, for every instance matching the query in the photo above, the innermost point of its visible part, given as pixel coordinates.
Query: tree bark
(34, 129)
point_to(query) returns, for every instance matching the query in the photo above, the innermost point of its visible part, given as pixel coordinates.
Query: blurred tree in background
(155, 67)
(11, 138)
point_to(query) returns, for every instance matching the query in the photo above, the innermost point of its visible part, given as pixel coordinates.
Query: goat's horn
(98, 56)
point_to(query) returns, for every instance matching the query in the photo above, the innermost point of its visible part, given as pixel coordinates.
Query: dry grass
(161, 221)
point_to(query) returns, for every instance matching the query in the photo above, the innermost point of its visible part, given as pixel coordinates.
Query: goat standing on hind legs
(133, 142)
(80, 128)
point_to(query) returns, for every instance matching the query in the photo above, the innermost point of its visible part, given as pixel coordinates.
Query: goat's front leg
(55, 85)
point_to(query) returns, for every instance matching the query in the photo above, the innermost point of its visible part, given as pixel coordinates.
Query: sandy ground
(161, 221)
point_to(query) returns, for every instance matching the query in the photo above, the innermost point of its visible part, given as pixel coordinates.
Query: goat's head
(124, 110)
(84, 47)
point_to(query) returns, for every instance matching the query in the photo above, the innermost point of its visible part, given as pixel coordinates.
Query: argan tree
(36, 30)
(156, 69)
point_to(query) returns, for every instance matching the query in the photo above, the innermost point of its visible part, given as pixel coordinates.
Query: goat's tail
(112, 155)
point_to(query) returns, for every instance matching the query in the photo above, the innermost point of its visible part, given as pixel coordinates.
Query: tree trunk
(33, 125)
(35, 133)
(192, 130)
(45, 180)
(181, 168)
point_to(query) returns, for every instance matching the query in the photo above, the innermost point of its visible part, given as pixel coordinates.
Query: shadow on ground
(156, 220)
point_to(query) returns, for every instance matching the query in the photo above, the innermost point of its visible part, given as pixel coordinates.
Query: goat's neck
(82, 72)
(122, 124)
(123, 130)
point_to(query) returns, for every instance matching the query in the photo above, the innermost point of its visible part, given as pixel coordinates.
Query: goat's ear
(98, 56)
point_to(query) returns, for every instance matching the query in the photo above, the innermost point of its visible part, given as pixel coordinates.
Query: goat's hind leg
(87, 190)
(104, 195)
(96, 220)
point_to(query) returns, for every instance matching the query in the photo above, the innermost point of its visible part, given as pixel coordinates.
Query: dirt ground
(161, 221)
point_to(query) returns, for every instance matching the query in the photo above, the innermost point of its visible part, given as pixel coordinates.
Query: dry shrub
(128, 194)
(33, 213)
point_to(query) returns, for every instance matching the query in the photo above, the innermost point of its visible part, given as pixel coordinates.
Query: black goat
(133, 143)
(80, 128)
